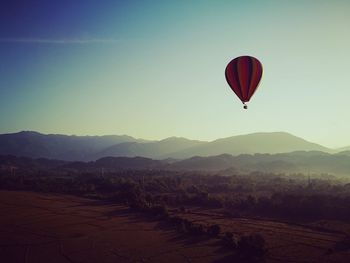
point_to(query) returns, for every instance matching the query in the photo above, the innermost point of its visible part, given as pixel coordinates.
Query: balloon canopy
(243, 74)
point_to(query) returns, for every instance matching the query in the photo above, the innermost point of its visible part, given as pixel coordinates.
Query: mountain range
(311, 162)
(87, 148)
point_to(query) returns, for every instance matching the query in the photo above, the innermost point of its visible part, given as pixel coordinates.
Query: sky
(155, 69)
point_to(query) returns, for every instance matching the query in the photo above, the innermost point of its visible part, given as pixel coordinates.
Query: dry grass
(59, 228)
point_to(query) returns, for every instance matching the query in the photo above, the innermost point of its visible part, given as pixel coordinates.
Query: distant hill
(135, 163)
(344, 153)
(157, 149)
(87, 148)
(274, 142)
(343, 149)
(312, 162)
(55, 146)
(295, 162)
(8, 161)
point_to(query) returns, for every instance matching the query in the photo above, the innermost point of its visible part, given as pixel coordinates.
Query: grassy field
(61, 228)
(286, 242)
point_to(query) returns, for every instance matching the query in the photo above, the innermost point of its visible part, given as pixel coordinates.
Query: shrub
(251, 246)
(188, 224)
(182, 227)
(159, 210)
(175, 220)
(138, 205)
(229, 240)
(343, 244)
(214, 230)
(196, 229)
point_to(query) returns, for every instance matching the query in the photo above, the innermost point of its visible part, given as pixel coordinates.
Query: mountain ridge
(300, 162)
(260, 142)
(86, 148)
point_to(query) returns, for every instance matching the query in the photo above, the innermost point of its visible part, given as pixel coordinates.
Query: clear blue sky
(154, 69)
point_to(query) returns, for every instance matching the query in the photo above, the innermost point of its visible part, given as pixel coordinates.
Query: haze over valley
(276, 152)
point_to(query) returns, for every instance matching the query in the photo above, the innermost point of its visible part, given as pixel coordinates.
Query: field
(39, 227)
(286, 242)
(60, 228)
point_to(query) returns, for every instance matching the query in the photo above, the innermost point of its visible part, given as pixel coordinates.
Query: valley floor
(58, 228)
(36, 227)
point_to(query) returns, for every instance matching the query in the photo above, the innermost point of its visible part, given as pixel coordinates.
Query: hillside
(312, 162)
(274, 142)
(116, 163)
(87, 148)
(158, 149)
(295, 162)
(56, 146)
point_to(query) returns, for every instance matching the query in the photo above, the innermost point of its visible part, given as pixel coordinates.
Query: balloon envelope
(243, 74)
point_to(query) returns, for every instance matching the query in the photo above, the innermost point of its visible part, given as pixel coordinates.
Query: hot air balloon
(243, 74)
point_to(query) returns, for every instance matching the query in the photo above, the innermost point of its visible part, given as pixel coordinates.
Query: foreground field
(59, 228)
(286, 242)
(56, 228)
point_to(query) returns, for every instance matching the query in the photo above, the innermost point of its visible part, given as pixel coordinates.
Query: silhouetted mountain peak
(178, 139)
(26, 133)
(78, 148)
